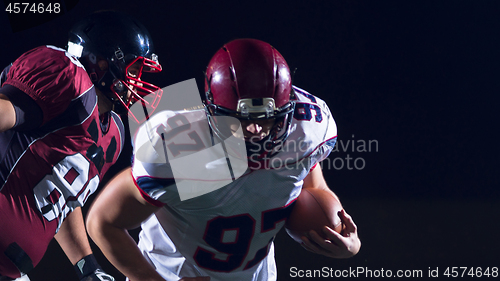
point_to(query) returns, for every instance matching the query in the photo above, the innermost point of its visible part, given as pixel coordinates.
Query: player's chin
(254, 139)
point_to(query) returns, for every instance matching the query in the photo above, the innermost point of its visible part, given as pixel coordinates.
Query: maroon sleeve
(50, 77)
(28, 114)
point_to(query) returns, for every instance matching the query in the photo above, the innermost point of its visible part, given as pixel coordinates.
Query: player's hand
(344, 245)
(201, 278)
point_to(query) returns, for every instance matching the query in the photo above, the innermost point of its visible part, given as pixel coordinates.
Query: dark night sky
(418, 77)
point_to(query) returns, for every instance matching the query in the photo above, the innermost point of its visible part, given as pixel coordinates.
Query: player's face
(249, 130)
(133, 71)
(257, 129)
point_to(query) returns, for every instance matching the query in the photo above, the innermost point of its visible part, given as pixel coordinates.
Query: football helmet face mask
(250, 80)
(116, 50)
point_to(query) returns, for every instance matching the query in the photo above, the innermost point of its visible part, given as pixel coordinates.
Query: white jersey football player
(211, 188)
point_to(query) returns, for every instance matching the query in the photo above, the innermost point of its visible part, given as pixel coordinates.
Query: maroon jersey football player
(59, 135)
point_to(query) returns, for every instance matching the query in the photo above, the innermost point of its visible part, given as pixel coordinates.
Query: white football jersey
(225, 231)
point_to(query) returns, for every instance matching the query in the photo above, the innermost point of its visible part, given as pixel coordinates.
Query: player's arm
(315, 179)
(7, 114)
(72, 237)
(18, 110)
(344, 245)
(119, 207)
(73, 240)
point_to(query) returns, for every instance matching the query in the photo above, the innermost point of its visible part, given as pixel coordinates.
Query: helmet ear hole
(209, 97)
(103, 65)
(118, 87)
(292, 94)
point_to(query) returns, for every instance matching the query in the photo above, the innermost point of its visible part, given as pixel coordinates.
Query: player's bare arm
(315, 179)
(72, 237)
(120, 207)
(7, 114)
(343, 245)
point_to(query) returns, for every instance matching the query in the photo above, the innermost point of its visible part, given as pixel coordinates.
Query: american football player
(59, 135)
(203, 214)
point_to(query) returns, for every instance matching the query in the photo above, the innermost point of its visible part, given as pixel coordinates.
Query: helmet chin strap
(108, 101)
(116, 103)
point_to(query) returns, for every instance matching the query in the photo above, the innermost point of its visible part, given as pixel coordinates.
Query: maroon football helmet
(250, 80)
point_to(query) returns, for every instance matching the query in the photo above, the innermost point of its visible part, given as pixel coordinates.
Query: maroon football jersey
(48, 171)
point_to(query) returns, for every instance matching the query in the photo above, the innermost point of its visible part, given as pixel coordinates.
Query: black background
(418, 77)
